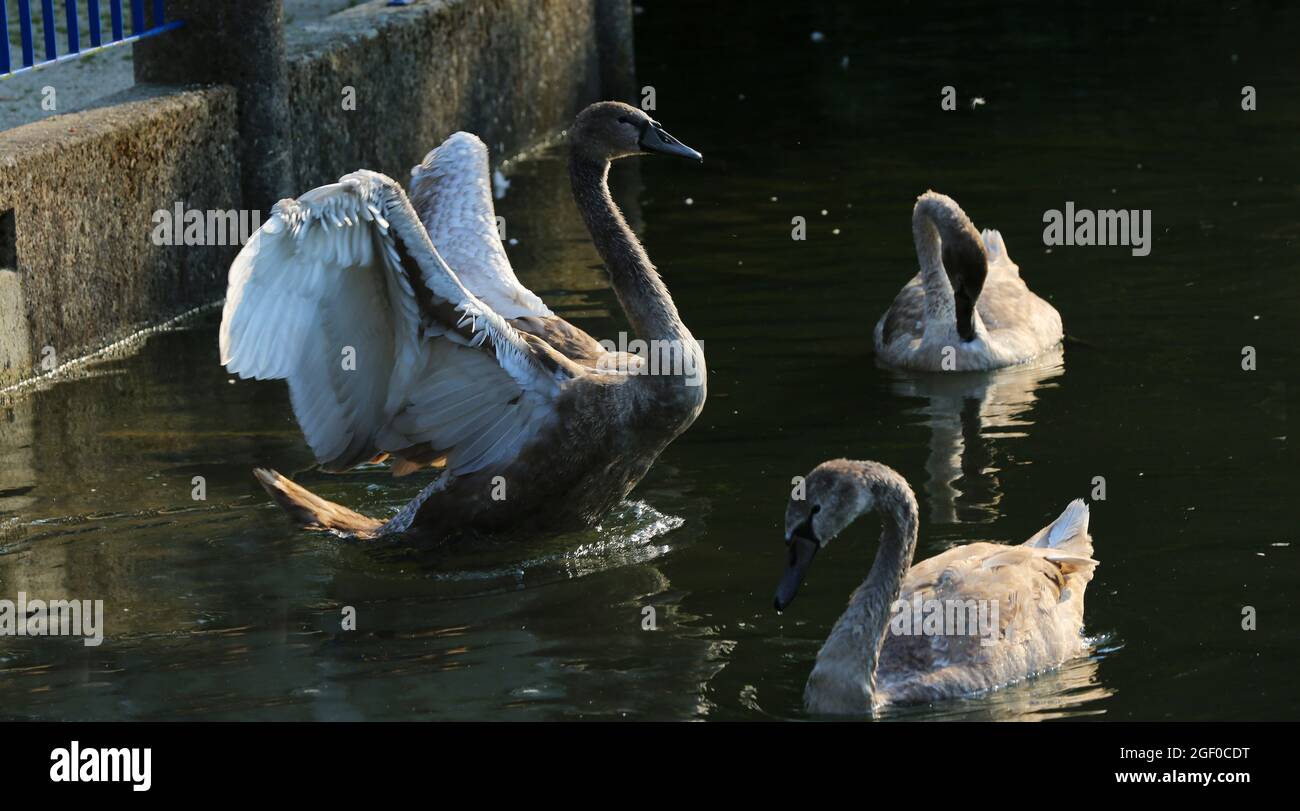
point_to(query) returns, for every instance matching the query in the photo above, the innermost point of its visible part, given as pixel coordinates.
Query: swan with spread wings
(403, 333)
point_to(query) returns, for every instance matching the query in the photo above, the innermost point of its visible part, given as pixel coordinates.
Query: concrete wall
(509, 71)
(83, 189)
(83, 186)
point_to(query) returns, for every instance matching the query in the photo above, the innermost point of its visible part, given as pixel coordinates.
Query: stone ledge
(83, 188)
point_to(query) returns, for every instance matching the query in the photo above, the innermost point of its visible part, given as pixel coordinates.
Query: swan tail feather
(994, 247)
(1066, 542)
(1067, 536)
(1072, 522)
(310, 511)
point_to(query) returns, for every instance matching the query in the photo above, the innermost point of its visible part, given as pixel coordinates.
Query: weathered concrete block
(15, 346)
(617, 56)
(511, 72)
(83, 189)
(241, 45)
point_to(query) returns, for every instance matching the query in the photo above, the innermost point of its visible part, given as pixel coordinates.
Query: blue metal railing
(140, 28)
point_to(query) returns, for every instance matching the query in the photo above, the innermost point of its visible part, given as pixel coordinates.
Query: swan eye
(623, 120)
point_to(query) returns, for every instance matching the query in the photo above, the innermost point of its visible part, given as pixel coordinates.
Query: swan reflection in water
(969, 414)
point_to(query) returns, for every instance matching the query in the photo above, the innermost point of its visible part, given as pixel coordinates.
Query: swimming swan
(967, 309)
(403, 332)
(872, 657)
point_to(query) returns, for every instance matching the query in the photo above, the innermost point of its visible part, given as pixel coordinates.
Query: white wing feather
(452, 192)
(319, 297)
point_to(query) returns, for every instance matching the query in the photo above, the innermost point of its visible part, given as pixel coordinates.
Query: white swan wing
(452, 191)
(342, 294)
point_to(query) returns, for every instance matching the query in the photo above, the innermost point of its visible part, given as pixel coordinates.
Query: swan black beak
(654, 139)
(802, 551)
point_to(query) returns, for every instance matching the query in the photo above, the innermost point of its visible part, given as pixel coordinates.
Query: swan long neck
(640, 290)
(951, 255)
(853, 647)
(938, 291)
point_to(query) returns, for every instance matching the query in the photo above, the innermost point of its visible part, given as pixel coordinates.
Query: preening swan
(403, 331)
(1004, 612)
(967, 309)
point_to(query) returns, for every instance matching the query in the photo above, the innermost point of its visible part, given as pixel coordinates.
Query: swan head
(831, 498)
(608, 130)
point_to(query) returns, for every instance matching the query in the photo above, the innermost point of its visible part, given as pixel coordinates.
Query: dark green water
(217, 610)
